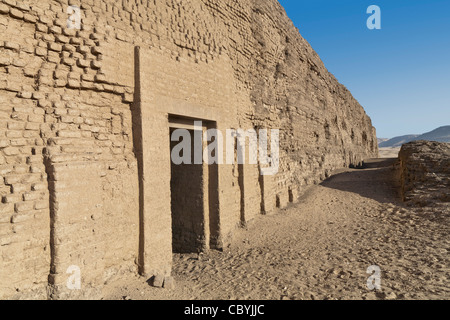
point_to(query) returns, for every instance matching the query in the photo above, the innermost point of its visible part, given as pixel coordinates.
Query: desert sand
(320, 248)
(388, 152)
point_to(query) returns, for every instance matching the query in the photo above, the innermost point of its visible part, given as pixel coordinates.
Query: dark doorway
(188, 203)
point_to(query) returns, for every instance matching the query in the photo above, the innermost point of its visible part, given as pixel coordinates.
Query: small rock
(391, 296)
(169, 283)
(370, 296)
(158, 281)
(380, 295)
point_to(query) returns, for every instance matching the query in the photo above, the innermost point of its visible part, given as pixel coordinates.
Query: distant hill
(441, 134)
(398, 141)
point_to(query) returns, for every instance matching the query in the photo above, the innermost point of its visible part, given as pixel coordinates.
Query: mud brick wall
(84, 119)
(425, 173)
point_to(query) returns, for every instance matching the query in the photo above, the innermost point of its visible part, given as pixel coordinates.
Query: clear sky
(399, 74)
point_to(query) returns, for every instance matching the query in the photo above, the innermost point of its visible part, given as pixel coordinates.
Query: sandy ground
(320, 248)
(388, 152)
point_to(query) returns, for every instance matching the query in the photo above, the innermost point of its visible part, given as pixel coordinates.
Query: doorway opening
(194, 194)
(187, 198)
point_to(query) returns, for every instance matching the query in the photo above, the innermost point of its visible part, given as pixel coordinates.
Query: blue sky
(401, 73)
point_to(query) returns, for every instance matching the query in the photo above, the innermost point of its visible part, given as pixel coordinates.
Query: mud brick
(15, 13)
(55, 47)
(41, 27)
(11, 45)
(41, 51)
(4, 8)
(55, 29)
(29, 18)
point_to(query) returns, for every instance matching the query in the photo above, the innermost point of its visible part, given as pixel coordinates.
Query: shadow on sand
(376, 180)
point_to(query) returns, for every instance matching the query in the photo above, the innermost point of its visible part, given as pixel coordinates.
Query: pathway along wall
(85, 117)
